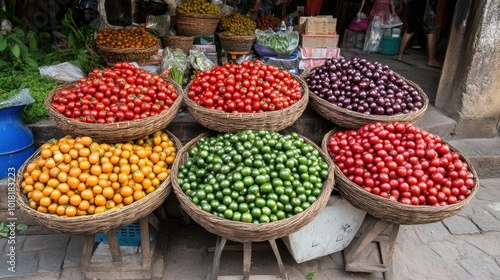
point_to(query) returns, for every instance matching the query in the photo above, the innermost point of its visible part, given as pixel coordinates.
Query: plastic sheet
(282, 43)
(63, 72)
(373, 36)
(22, 98)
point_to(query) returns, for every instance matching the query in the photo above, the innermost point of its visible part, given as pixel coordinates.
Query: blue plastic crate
(127, 236)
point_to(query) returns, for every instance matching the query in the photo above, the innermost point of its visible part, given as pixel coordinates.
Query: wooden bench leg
(278, 258)
(221, 242)
(247, 259)
(114, 247)
(88, 247)
(145, 248)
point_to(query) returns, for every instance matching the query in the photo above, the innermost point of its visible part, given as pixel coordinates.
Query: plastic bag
(359, 23)
(199, 61)
(373, 36)
(393, 21)
(174, 64)
(283, 43)
(63, 72)
(22, 98)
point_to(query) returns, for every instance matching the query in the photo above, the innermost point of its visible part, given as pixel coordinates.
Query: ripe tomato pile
(249, 87)
(115, 95)
(402, 163)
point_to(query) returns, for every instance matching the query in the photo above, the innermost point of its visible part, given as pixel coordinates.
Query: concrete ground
(465, 246)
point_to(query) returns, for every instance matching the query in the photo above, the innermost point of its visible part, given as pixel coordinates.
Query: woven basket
(190, 24)
(249, 232)
(236, 43)
(232, 122)
(354, 120)
(113, 132)
(97, 223)
(392, 211)
(113, 55)
(178, 42)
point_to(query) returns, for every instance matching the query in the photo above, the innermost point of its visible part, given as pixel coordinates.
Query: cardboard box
(319, 41)
(318, 25)
(311, 57)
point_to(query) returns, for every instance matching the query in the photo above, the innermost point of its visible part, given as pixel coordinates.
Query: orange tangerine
(108, 192)
(99, 200)
(87, 194)
(70, 211)
(75, 200)
(84, 205)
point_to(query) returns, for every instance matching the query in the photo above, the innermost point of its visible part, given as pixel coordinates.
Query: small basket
(113, 132)
(354, 120)
(249, 232)
(113, 55)
(236, 43)
(103, 222)
(178, 42)
(191, 24)
(232, 122)
(392, 211)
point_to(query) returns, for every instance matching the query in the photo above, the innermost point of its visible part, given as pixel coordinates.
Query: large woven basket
(113, 132)
(392, 211)
(113, 55)
(354, 120)
(236, 43)
(232, 122)
(183, 43)
(249, 232)
(190, 24)
(103, 222)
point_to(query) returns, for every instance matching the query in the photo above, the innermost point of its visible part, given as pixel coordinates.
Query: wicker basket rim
(243, 115)
(262, 227)
(390, 203)
(165, 186)
(196, 15)
(126, 50)
(158, 117)
(386, 118)
(242, 37)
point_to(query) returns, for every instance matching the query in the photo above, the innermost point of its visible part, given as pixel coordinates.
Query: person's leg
(402, 46)
(431, 50)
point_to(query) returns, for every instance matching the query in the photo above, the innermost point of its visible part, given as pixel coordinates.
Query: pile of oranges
(77, 176)
(137, 38)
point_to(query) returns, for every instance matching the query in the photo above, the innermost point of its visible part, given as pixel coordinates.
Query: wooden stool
(375, 227)
(247, 258)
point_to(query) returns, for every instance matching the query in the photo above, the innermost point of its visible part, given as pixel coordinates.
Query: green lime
(246, 217)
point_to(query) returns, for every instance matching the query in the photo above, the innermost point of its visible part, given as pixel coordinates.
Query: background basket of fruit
(237, 33)
(352, 93)
(78, 186)
(197, 17)
(110, 108)
(126, 45)
(265, 108)
(263, 208)
(178, 42)
(434, 183)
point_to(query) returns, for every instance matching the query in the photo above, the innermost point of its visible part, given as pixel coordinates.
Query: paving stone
(74, 251)
(51, 260)
(431, 232)
(445, 250)
(3, 241)
(25, 263)
(497, 259)
(460, 225)
(486, 222)
(484, 242)
(469, 251)
(493, 208)
(38, 242)
(481, 268)
(73, 273)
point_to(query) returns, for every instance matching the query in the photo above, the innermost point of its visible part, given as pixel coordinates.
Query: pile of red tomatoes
(113, 95)
(403, 163)
(249, 87)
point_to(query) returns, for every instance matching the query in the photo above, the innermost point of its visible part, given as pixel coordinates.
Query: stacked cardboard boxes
(318, 40)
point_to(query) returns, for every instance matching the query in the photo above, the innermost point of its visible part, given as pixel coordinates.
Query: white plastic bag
(63, 72)
(373, 35)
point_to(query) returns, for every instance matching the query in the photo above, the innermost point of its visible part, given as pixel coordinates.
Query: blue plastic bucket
(389, 45)
(16, 141)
